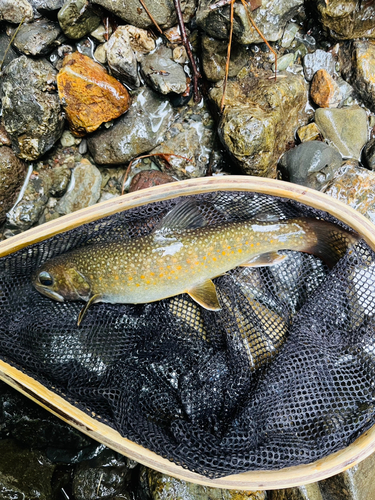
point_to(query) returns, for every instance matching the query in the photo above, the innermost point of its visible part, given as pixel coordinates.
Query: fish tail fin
(331, 241)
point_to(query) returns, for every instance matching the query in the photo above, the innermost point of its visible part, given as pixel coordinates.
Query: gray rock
(59, 179)
(163, 73)
(39, 37)
(83, 190)
(12, 174)
(271, 18)
(32, 115)
(162, 11)
(138, 131)
(311, 164)
(10, 55)
(318, 60)
(121, 57)
(345, 128)
(214, 55)
(77, 18)
(47, 7)
(289, 34)
(14, 11)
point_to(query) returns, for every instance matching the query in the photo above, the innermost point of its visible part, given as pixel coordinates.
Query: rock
(32, 114)
(324, 91)
(83, 190)
(162, 11)
(306, 492)
(368, 154)
(47, 7)
(289, 34)
(100, 53)
(255, 130)
(284, 62)
(180, 55)
(310, 164)
(15, 11)
(271, 18)
(344, 128)
(59, 179)
(4, 137)
(318, 60)
(12, 175)
(348, 20)
(214, 55)
(100, 33)
(149, 178)
(362, 72)
(139, 131)
(7, 54)
(90, 95)
(39, 37)
(354, 185)
(140, 40)
(308, 132)
(68, 139)
(121, 57)
(162, 73)
(77, 19)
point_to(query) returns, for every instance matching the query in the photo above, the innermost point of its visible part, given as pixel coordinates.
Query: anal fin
(265, 259)
(206, 296)
(92, 300)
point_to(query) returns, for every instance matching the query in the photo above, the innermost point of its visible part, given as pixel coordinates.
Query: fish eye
(45, 278)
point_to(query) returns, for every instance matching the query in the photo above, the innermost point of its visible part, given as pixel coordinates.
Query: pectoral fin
(205, 295)
(265, 259)
(92, 300)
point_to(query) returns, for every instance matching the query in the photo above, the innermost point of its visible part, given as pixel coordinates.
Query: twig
(150, 16)
(100, 481)
(11, 41)
(185, 41)
(228, 55)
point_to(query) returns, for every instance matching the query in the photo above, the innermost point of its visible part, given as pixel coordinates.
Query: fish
(183, 254)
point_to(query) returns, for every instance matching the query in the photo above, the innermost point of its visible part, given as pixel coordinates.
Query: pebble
(214, 55)
(368, 154)
(362, 70)
(308, 132)
(15, 11)
(162, 73)
(77, 19)
(289, 35)
(68, 139)
(4, 137)
(90, 95)
(100, 53)
(180, 55)
(121, 57)
(346, 19)
(48, 7)
(284, 61)
(149, 178)
(141, 40)
(100, 33)
(39, 37)
(311, 164)
(324, 91)
(345, 128)
(12, 175)
(318, 60)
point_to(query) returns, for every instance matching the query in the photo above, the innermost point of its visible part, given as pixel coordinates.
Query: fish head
(60, 282)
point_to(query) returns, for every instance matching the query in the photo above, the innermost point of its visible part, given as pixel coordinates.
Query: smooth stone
(149, 178)
(83, 190)
(140, 130)
(271, 18)
(141, 40)
(121, 57)
(310, 164)
(100, 53)
(284, 61)
(289, 34)
(179, 55)
(68, 139)
(346, 19)
(100, 33)
(77, 19)
(345, 128)
(324, 91)
(368, 154)
(362, 71)
(32, 114)
(90, 95)
(318, 60)
(308, 132)
(255, 130)
(39, 37)
(162, 11)
(15, 11)
(162, 73)
(12, 175)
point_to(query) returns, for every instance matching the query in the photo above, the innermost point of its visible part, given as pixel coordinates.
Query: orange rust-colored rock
(90, 95)
(324, 90)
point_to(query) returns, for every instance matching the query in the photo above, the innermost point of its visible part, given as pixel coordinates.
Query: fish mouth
(49, 293)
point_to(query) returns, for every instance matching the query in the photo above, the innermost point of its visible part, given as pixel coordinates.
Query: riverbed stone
(90, 95)
(163, 73)
(4, 137)
(271, 18)
(47, 7)
(368, 154)
(345, 128)
(149, 178)
(7, 53)
(324, 91)
(309, 132)
(16, 11)
(141, 40)
(361, 72)
(32, 115)
(12, 174)
(305, 492)
(121, 57)
(320, 59)
(39, 37)
(254, 129)
(140, 130)
(77, 18)
(311, 164)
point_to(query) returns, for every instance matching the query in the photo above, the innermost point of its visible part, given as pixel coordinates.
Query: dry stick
(228, 55)
(185, 41)
(11, 41)
(150, 16)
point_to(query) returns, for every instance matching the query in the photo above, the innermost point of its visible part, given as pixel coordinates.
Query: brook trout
(182, 255)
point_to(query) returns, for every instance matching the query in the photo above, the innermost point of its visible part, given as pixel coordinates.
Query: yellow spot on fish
(252, 244)
(239, 250)
(258, 243)
(148, 282)
(152, 274)
(100, 278)
(223, 253)
(137, 284)
(161, 275)
(142, 277)
(179, 268)
(214, 259)
(116, 277)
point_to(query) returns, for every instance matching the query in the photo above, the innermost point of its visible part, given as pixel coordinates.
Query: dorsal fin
(185, 215)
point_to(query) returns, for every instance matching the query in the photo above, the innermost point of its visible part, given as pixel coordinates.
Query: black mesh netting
(282, 375)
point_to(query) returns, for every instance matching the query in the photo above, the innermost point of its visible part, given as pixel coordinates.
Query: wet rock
(345, 128)
(4, 137)
(162, 73)
(32, 114)
(48, 7)
(39, 37)
(362, 71)
(100, 33)
(68, 139)
(284, 62)
(59, 177)
(310, 164)
(139, 131)
(162, 11)
(318, 60)
(271, 18)
(368, 154)
(255, 130)
(140, 40)
(308, 132)
(24, 474)
(100, 53)
(83, 190)
(15, 11)
(77, 19)
(289, 34)
(324, 91)
(149, 178)
(354, 185)
(306, 492)
(7, 54)
(90, 95)
(348, 20)
(12, 175)
(121, 57)
(214, 55)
